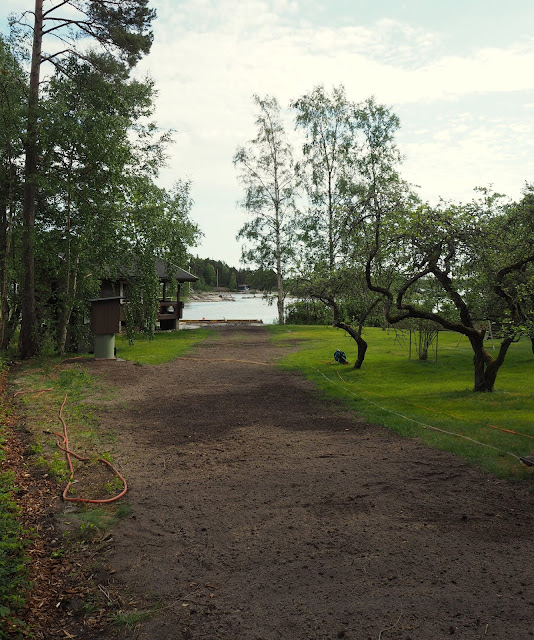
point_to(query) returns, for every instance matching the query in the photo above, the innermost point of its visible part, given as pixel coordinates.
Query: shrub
(308, 312)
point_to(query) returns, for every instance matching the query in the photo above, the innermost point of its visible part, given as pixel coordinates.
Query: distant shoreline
(210, 296)
(220, 296)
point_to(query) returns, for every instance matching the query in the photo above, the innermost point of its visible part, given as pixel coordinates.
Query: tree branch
(52, 9)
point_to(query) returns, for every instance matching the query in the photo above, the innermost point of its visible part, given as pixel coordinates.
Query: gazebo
(170, 310)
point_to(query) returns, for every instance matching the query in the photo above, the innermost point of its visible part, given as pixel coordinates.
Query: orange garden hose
(64, 446)
(37, 393)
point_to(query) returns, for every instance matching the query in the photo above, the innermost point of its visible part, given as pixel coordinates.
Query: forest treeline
(216, 273)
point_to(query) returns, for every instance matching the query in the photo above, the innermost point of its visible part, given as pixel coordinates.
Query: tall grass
(422, 399)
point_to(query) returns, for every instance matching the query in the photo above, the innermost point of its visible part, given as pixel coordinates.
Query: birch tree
(349, 164)
(326, 169)
(266, 170)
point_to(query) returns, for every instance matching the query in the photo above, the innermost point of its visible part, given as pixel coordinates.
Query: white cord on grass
(422, 424)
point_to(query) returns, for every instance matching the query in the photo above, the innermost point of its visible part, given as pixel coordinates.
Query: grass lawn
(163, 347)
(415, 398)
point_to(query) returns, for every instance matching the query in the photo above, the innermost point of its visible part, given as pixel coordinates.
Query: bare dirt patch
(261, 512)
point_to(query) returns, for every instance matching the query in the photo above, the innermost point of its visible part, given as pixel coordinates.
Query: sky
(457, 73)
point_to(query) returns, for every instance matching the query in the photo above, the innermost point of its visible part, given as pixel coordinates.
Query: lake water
(246, 306)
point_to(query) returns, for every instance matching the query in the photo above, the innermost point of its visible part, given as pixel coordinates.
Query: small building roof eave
(169, 271)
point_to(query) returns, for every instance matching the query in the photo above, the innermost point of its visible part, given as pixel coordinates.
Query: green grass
(79, 411)
(14, 580)
(13, 561)
(130, 619)
(87, 522)
(162, 348)
(415, 398)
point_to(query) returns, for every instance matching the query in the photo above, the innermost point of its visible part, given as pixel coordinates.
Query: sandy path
(258, 512)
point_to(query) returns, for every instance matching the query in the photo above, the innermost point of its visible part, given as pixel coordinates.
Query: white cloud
(209, 59)
(470, 151)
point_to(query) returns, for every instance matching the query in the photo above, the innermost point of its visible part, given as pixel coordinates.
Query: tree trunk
(279, 279)
(66, 313)
(532, 344)
(480, 368)
(12, 322)
(28, 345)
(362, 349)
(64, 318)
(5, 237)
(68, 290)
(356, 336)
(487, 367)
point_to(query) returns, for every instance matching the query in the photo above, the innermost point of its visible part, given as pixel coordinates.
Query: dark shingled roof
(169, 271)
(165, 270)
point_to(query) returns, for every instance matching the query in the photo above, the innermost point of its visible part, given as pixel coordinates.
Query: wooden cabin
(171, 278)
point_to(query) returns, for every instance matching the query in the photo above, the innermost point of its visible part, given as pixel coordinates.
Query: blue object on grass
(339, 356)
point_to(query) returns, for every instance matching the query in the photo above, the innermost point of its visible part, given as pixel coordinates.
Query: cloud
(467, 150)
(235, 49)
(210, 59)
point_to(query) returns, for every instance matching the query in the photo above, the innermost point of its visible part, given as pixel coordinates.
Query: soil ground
(261, 512)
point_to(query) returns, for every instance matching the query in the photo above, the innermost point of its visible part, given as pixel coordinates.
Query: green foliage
(210, 275)
(125, 27)
(411, 395)
(349, 168)
(12, 97)
(229, 277)
(263, 280)
(325, 169)
(13, 561)
(308, 312)
(91, 520)
(119, 36)
(89, 149)
(123, 510)
(14, 580)
(114, 486)
(92, 155)
(130, 619)
(55, 464)
(73, 379)
(459, 266)
(101, 214)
